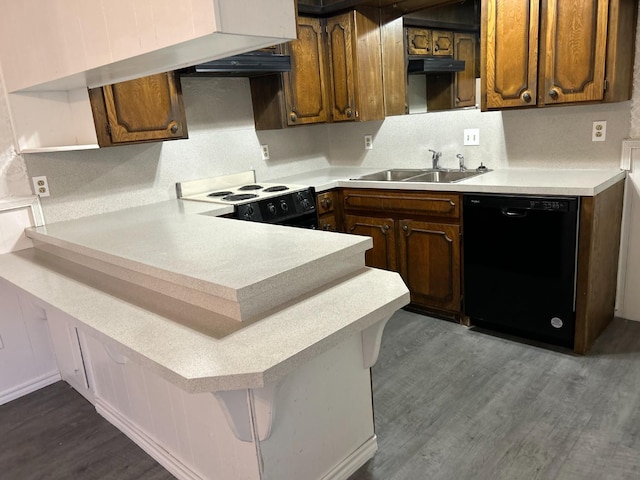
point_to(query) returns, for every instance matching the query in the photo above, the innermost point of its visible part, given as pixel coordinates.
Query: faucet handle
(461, 162)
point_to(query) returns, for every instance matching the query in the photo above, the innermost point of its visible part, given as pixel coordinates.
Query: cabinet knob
(386, 227)
(174, 127)
(526, 96)
(293, 117)
(325, 203)
(326, 226)
(405, 228)
(349, 113)
(553, 93)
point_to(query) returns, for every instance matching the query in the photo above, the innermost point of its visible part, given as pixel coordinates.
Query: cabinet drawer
(328, 223)
(432, 204)
(325, 202)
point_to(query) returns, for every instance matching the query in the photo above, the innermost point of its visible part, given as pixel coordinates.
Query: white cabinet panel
(27, 362)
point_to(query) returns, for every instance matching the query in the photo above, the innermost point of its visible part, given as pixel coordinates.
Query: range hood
(244, 65)
(419, 64)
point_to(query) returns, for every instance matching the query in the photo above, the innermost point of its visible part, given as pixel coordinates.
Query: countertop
(195, 348)
(525, 181)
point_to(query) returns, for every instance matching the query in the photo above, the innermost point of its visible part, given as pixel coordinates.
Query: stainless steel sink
(420, 175)
(393, 175)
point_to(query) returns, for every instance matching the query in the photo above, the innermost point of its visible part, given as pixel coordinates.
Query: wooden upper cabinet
(355, 66)
(465, 81)
(442, 43)
(341, 65)
(573, 49)
(546, 52)
(336, 74)
(305, 89)
(509, 53)
(147, 109)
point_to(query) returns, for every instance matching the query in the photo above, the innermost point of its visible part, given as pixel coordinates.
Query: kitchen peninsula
(226, 349)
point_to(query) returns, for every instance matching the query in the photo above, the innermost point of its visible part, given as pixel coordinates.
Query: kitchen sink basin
(394, 175)
(440, 175)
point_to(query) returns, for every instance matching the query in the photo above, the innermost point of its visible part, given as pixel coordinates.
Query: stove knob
(284, 206)
(300, 196)
(305, 204)
(272, 208)
(249, 210)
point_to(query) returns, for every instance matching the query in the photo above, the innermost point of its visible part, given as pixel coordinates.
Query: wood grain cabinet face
(147, 109)
(329, 213)
(465, 81)
(442, 43)
(383, 233)
(417, 234)
(547, 52)
(429, 256)
(336, 74)
(419, 41)
(305, 88)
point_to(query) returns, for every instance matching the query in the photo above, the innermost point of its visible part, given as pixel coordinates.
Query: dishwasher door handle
(514, 213)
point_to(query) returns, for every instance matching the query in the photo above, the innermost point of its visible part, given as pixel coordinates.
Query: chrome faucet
(435, 158)
(461, 162)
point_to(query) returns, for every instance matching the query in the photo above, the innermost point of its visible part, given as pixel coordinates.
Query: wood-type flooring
(450, 403)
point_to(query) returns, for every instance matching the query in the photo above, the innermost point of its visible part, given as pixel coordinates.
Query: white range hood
(66, 44)
(51, 51)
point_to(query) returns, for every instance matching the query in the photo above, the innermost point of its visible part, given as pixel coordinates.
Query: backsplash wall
(223, 140)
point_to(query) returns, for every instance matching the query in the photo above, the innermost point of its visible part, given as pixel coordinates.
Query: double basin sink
(439, 175)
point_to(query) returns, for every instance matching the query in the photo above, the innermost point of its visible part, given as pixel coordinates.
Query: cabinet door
(305, 89)
(340, 33)
(142, 110)
(465, 81)
(509, 53)
(442, 43)
(418, 41)
(328, 222)
(429, 255)
(573, 50)
(382, 231)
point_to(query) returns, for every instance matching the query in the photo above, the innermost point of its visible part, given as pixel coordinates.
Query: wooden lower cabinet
(417, 234)
(429, 262)
(383, 233)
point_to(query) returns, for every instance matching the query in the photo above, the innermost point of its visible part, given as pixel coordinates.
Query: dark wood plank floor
(450, 403)
(55, 434)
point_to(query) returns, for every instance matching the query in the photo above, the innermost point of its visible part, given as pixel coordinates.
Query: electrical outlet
(368, 142)
(41, 186)
(599, 131)
(265, 152)
(472, 136)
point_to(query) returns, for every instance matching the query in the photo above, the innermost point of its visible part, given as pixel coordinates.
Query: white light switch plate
(472, 136)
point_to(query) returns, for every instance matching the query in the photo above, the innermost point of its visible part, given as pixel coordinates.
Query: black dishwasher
(520, 265)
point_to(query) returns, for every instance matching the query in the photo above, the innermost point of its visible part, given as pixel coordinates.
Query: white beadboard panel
(27, 361)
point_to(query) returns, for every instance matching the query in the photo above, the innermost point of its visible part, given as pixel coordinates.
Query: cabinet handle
(386, 227)
(405, 228)
(526, 96)
(553, 93)
(326, 226)
(349, 113)
(174, 127)
(325, 203)
(293, 117)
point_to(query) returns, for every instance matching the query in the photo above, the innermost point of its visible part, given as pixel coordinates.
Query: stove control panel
(285, 208)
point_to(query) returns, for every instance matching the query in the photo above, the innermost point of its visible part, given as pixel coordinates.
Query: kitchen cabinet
(147, 109)
(336, 74)
(27, 360)
(68, 343)
(549, 52)
(464, 82)
(328, 214)
(417, 234)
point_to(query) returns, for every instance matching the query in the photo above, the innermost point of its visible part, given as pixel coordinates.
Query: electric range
(265, 202)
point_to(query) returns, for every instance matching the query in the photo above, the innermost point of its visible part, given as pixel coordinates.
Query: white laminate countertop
(523, 181)
(204, 358)
(252, 266)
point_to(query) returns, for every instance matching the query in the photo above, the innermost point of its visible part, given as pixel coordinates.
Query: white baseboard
(144, 441)
(353, 462)
(31, 386)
